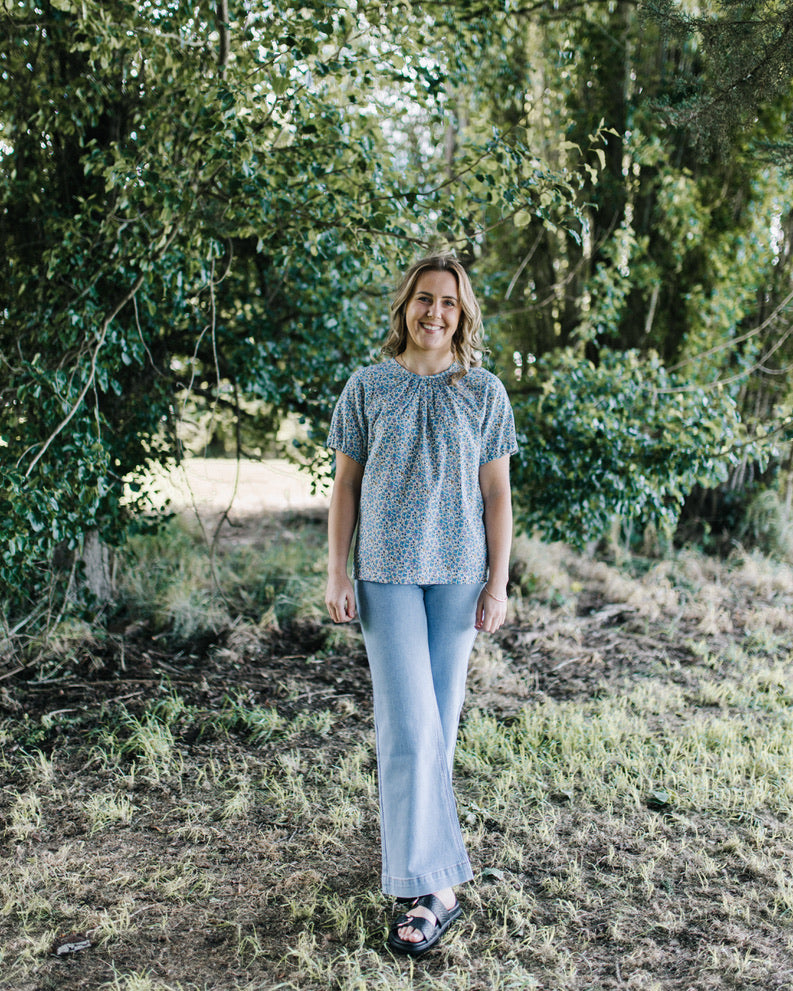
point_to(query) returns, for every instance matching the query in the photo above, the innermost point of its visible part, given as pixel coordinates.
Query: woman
(422, 444)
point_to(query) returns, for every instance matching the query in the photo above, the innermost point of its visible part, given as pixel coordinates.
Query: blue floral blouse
(421, 441)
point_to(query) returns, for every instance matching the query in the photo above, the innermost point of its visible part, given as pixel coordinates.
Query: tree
(743, 65)
(684, 259)
(208, 200)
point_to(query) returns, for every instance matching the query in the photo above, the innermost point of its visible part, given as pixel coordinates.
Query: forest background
(205, 207)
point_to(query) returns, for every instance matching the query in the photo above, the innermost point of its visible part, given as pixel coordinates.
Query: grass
(267, 578)
(205, 811)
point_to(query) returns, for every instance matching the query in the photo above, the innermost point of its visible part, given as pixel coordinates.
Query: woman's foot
(423, 924)
(412, 935)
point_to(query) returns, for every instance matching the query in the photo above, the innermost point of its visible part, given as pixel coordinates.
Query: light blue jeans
(418, 640)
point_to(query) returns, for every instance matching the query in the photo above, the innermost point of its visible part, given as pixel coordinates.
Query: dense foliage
(625, 436)
(685, 259)
(203, 204)
(203, 207)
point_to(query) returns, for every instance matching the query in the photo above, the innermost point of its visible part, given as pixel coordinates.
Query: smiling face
(432, 315)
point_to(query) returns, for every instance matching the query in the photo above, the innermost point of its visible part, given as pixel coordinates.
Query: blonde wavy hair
(467, 345)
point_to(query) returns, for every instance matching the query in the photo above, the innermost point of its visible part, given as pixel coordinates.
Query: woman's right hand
(340, 599)
(342, 518)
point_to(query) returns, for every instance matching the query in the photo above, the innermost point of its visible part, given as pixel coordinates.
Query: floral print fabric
(421, 440)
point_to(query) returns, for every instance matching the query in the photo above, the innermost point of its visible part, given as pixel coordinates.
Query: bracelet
(488, 592)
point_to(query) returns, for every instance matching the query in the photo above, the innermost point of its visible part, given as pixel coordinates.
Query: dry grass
(207, 816)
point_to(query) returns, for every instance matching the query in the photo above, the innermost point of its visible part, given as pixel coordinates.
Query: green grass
(266, 576)
(209, 819)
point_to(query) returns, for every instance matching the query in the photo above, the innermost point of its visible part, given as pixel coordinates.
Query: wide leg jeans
(418, 640)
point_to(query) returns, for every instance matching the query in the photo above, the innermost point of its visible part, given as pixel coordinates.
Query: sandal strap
(420, 922)
(436, 906)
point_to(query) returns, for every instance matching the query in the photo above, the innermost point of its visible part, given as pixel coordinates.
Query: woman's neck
(425, 364)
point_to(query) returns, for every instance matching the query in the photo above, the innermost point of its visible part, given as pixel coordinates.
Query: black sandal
(431, 932)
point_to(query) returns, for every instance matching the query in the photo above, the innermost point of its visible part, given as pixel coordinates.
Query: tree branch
(126, 298)
(223, 29)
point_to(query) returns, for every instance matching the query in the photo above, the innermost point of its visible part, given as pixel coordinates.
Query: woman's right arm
(342, 518)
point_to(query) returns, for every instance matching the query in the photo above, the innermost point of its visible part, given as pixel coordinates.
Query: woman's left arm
(491, 609)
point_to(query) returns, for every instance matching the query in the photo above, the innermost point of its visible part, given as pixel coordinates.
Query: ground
(203, 812)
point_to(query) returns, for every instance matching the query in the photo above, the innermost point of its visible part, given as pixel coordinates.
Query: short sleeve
(348, 427)
(498, 428)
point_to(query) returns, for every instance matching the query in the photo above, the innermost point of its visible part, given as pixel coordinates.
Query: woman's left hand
(490, 612)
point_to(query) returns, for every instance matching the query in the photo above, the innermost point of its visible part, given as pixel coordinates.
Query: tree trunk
(98, 567)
